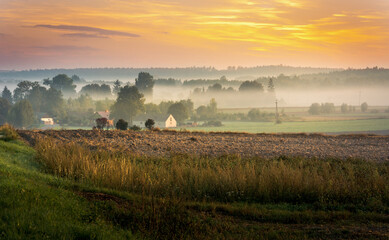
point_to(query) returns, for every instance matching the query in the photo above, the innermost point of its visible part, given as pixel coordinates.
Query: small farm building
(47, 121)
(161, 121)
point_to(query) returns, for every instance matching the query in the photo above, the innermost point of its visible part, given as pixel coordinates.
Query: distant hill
(109, 74)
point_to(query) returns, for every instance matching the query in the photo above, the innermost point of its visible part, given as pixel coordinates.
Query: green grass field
(306, 127)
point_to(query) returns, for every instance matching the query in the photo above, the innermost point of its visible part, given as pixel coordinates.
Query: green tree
(6, 94)
(102, 105)
(21, 114)
(121, 125)
(212, 107)
(152, 109)
(344, 108)
(97, 90)
(63, 83)
(77, 79)
(128, 103)
(217, 87)
(189, 106)
(254, 114)
(179, 112)
(116, 86)
(145, 84)
(202, 112)
(314, 109)
(364, 107)
(270, 86)
(5, 106)
(164, 106)
(149, 124)
(54, 103)
(37, 98)
(23, 89)
(327, 108)
(251, 86)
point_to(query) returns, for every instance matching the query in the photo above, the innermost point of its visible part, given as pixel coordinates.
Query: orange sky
(169, 33)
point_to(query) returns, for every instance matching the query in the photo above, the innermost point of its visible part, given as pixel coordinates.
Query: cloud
(83, 35)
(64, 48)
(100, 31)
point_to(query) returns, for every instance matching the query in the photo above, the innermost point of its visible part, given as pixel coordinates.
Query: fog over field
(287, 97)
(352, 87)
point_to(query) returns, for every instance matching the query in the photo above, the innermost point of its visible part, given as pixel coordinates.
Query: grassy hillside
(36, 205)
(82, 202)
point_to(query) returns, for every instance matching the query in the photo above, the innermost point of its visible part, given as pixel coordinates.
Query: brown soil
(165, 143)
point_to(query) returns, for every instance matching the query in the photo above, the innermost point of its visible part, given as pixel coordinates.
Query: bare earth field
(165, 143)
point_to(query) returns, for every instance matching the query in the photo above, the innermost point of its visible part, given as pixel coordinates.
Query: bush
(121, 125)
(135, 128)
(157, 129)
(364, 107)
(101, 123)
(8, 133)
(149, 124)
(215, 123)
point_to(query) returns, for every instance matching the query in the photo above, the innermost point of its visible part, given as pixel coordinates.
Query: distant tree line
(185, 73)
(327, 108)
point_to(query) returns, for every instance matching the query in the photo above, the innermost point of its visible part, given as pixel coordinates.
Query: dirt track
(366, 147)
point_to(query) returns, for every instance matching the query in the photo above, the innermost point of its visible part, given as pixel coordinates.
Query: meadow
(300, 126)
(67, 191)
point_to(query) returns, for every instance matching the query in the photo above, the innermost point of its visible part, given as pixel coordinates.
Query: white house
(161, 121)
(104, 114)
(47, 121)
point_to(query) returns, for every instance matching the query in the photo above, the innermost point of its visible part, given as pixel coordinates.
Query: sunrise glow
(116, 33)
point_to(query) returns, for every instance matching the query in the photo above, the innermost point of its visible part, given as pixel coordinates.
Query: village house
(105, 114)
(47, 121)
(161, 121)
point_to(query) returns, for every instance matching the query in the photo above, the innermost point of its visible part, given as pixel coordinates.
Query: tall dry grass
(227, 178)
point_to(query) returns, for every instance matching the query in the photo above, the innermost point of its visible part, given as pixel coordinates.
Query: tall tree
(179, 112)
(54, 103)
(37, 97)
(213, 106)
(128, 103)
(364, 107)
(145, 84)
(23, 89)
(251, 86)
(95, 89)
(77, 79)
(63, 83)
(189, 106)
(21, 114)
(5, 106)
(6, 94)
(116, 86)
(270, 86)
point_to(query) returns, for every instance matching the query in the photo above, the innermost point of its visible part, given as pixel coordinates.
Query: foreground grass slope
(39, 206)
(111, 196)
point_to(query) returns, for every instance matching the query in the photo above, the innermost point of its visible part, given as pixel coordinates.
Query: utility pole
(277, 120)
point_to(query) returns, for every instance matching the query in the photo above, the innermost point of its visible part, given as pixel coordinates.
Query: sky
(182, 33)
